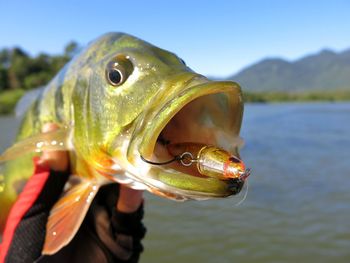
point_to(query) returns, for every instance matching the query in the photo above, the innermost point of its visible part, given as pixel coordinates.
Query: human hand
(41, 193)
(129, 199)
(28, 216)
(55, 160)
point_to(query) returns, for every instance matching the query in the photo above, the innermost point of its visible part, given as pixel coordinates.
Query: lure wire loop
(186, 159)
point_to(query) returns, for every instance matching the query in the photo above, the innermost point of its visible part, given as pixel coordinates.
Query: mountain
(326, 70)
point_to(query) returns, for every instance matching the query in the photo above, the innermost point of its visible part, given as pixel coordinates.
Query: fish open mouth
(209, 113)
(194, 124)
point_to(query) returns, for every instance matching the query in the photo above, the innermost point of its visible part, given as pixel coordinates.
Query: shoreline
(9, 98)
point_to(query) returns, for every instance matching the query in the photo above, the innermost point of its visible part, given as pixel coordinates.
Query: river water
(298, 202)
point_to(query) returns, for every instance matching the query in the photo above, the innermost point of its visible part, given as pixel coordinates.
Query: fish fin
(126, 178)
(67, 215)
(56, 140)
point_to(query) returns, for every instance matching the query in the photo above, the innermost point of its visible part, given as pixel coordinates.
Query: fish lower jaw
(156, 181)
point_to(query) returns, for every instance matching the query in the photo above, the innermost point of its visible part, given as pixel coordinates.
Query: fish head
(149, 97)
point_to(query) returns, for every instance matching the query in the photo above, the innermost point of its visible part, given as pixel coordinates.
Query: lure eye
(234, 159)
(118, 70)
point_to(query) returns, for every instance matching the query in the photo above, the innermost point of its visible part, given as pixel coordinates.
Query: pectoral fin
(67, 215)
(56, 140)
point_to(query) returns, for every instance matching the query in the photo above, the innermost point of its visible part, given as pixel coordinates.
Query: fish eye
(118, 70)
(115, 76)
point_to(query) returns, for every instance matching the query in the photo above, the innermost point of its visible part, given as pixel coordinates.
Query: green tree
(18, 69)
(19, 72)
(5, 58)
(71, 49)
(3, 78)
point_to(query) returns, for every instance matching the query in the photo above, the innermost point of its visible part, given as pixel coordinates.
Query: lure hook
(176, 158)
(245, 174)
(186, 159)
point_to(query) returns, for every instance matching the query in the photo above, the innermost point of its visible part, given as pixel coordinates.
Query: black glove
(24, 233)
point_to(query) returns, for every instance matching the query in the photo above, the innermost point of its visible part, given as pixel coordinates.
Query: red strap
(24, 202)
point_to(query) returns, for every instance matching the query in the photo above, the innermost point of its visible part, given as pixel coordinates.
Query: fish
(120, 102)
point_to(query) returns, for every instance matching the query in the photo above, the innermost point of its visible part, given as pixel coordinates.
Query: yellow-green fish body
(115, 102)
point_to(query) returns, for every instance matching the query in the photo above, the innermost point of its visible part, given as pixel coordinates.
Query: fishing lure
(209, 160)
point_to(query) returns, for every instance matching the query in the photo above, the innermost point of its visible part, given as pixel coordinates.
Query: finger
(55, 160)
(129, 199)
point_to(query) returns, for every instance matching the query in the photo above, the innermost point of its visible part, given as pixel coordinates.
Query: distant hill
(326, 70)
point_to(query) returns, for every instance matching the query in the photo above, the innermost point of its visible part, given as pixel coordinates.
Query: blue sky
(214, 37)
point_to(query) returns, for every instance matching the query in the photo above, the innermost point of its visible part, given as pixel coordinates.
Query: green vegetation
(279, 96)
(8, 100)
(20, 72)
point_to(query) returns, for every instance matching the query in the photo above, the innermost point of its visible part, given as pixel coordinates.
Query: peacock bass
(123, 106)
